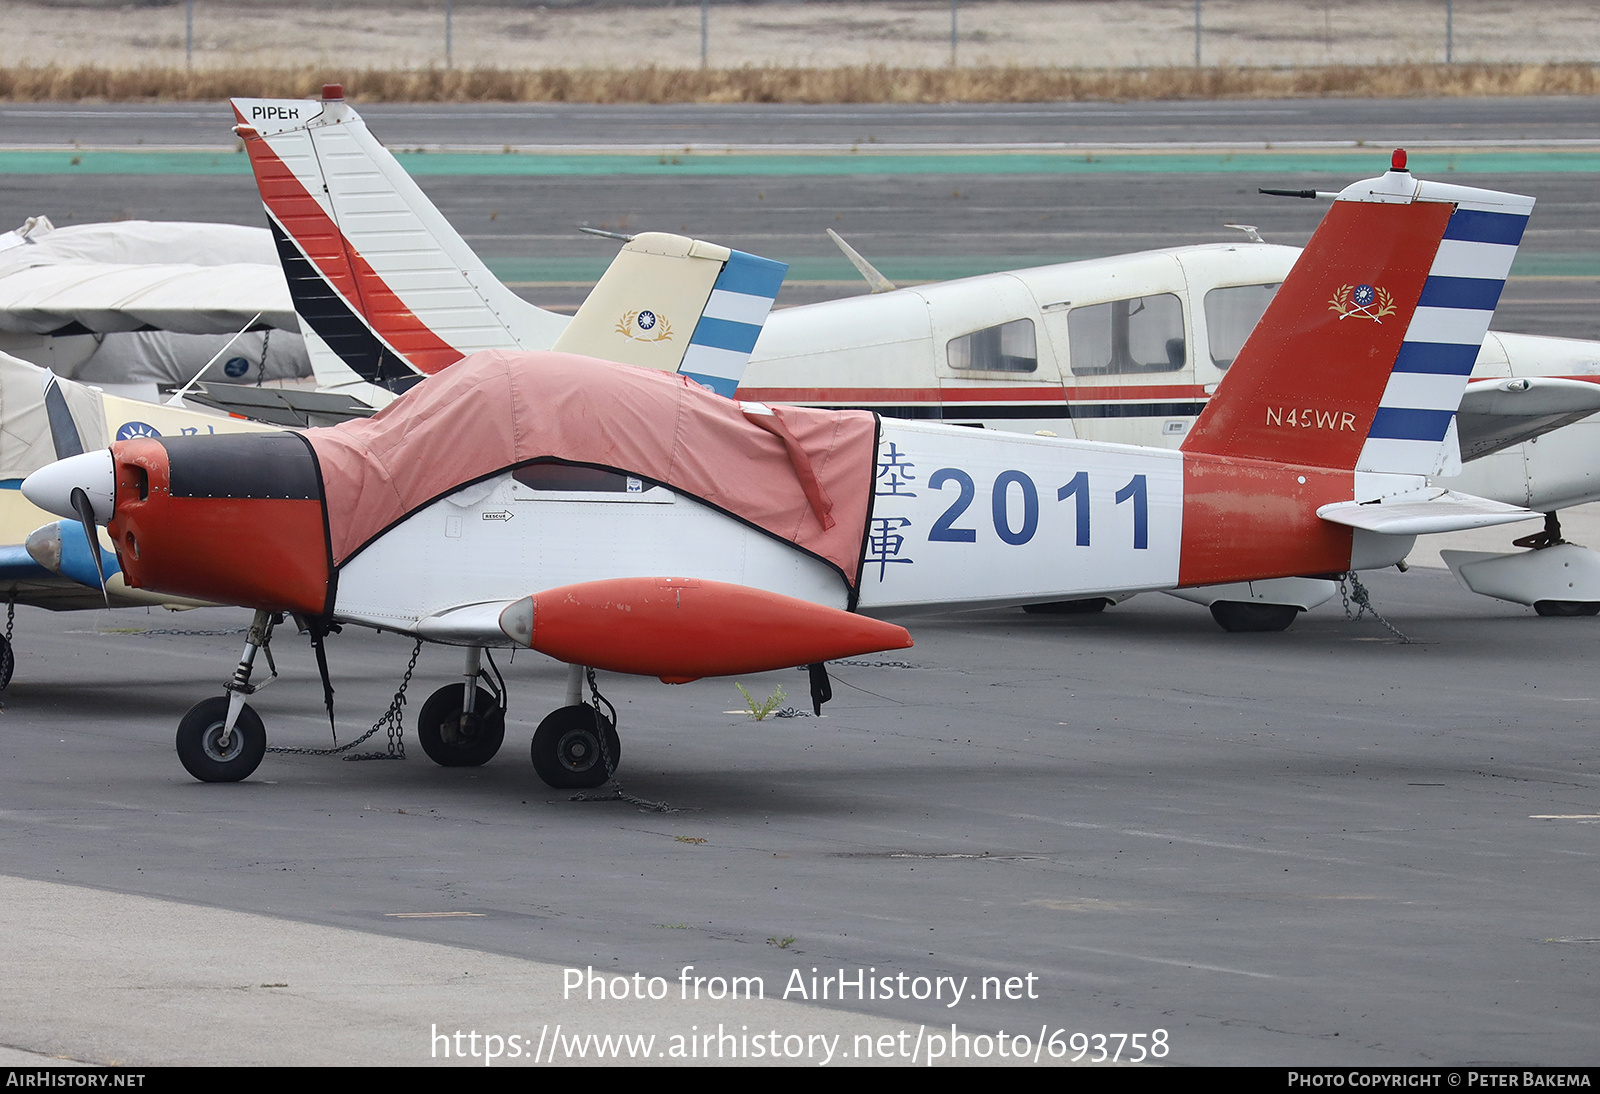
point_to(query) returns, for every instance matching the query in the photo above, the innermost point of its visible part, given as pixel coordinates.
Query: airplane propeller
(85, 511)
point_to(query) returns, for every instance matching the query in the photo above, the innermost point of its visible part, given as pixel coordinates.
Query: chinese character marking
(884, 542)
(895, 472)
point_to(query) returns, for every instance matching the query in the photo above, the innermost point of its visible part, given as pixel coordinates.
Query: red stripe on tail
(362, 287)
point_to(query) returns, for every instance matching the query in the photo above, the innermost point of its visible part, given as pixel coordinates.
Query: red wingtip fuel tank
(681, 629)
(235, 519)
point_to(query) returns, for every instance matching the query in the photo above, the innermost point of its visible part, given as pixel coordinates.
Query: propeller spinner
(82, 487)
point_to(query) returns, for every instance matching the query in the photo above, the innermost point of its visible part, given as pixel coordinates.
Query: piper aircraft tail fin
(381, 281)
(1361, 359)
(679, 305)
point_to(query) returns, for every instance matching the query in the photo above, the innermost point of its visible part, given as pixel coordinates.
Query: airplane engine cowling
(681, 629)
(234, 519)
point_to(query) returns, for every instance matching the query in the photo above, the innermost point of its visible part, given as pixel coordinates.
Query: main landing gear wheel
(566, 749)
(1242, 616)
(1069, 607)
(200, 744)
(8, 661)
(447, 742)
(1560, 608)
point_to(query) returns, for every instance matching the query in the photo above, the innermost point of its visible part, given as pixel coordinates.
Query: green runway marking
(1581, 264)
(598, 164)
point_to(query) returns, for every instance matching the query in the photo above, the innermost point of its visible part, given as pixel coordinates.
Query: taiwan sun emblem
(1363, 301)
(645, 326)
(130, 430)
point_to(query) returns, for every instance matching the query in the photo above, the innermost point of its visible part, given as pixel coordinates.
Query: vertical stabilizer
(1363, 355)
(375, 271)
(679, 305)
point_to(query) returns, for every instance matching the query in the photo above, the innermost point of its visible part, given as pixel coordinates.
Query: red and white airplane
(631, 520)
(1126, 348)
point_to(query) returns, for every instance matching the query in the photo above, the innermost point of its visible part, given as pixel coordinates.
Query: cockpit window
(1141, 334)
(1231, 314)
(1010, 347)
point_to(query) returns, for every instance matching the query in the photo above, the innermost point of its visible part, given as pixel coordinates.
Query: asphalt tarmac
(1319, 847)
(1316, 847)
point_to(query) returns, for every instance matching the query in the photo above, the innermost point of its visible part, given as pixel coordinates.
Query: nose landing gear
(221, 739)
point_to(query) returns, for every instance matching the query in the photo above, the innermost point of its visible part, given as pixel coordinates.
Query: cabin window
(1010, 347)
(1231, 314)
(1143, 334)
(565, 478)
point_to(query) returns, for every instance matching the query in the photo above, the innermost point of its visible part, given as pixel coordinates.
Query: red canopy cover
(495, 409)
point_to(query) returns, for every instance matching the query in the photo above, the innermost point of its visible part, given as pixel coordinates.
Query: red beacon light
(333, 93)
(1397, 162)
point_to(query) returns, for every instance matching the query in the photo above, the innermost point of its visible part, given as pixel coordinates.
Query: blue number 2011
(1000, 504)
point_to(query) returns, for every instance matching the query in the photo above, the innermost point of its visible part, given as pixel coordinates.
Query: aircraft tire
(1069, 607)
(486, 737)
(566, 749)
(8, 661)
(1557, 608)
(198, 749)
(1244, 617)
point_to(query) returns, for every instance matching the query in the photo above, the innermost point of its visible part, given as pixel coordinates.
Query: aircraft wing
(1423, 512)
(286, 406)
(1497, 414)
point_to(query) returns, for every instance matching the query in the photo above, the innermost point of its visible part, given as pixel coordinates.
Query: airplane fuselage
(1126, 349)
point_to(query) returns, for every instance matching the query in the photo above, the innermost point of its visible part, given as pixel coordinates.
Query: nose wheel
(213, 756)
(452, 739)
(576, 748)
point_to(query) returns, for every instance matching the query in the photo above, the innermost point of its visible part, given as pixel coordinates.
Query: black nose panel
(243, 465)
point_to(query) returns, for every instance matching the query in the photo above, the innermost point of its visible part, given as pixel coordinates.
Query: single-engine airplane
(635, 521)
(1126, 348)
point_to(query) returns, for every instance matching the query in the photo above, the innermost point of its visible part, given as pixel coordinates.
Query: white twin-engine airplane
(1126, 349)
(630, 520)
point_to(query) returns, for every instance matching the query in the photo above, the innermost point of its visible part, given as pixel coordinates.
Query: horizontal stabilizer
(1423, 512)
(1497, 414)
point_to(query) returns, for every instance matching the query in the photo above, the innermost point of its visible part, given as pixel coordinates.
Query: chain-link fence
(516, 34)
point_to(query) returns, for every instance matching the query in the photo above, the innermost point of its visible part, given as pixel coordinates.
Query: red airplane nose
(236, 519)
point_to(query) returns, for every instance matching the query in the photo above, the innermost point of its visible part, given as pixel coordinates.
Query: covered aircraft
(636, 521)
(149, 303)
(1127, 348)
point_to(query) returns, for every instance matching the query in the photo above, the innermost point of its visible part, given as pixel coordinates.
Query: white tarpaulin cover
(148, 302)
(189, 278)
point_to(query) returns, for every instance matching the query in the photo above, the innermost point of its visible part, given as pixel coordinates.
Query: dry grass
(861, 84)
